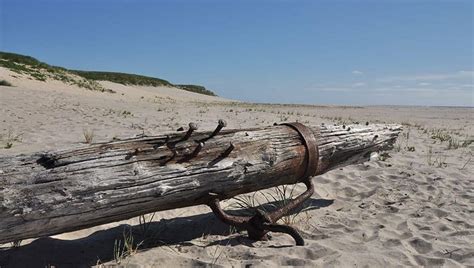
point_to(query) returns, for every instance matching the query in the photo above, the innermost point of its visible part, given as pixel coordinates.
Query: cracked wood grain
(49, 193)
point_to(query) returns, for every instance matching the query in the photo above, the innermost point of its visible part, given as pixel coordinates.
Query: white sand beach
(410, 206)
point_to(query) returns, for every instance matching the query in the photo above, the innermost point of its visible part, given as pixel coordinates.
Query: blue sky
(313, 52)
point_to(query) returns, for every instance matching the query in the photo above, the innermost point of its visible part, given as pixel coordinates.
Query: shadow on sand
(87, 251)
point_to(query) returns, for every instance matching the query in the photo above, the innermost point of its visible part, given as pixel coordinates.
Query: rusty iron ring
(261, 223)
(312, 151)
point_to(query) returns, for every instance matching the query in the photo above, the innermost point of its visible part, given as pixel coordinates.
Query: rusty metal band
(312, 151)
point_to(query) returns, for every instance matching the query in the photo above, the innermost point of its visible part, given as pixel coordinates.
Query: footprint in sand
(421, 246)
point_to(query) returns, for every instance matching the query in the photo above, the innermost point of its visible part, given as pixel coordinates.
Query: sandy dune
(412, 206)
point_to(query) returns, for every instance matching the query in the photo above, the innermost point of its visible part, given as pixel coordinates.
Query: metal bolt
(197, 149)
(193, 154)
(222, 155)
(192, 128)
(228, 150)
(220, 124)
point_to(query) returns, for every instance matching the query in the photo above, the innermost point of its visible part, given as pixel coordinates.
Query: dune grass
(123, 78)
(196, 89)
(42, 71)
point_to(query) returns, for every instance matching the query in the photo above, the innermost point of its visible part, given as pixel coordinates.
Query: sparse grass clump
(438, 161)
(145, 224)
(440, 135)
(88, 135)
(10, 138)
(467, 142)
(275, 198)
(404, 142)
(281, 196)
(5, 83)
(125, 247)
(130, 243)
(453, 142)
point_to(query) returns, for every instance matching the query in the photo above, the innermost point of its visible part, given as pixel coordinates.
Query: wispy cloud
(405, 89)
(335, 89)
(356, 72)
(430, 77)
(359, 84)
(424, 84)
(451, 88)
(435, 91)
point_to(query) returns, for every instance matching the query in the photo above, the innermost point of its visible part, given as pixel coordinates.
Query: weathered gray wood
(46, 194)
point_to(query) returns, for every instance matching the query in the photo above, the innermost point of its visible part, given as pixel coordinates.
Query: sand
(413, 206)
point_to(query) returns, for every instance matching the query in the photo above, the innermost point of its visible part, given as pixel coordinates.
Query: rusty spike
(228, 150)
(222, 155)
(197, 149)
(192, 128)
(194, 153)
(173, 155)
(220, 125)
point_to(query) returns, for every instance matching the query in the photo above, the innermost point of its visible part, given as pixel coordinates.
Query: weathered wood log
(50, 193)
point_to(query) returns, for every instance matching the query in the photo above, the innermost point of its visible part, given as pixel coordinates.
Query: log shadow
(99, 246)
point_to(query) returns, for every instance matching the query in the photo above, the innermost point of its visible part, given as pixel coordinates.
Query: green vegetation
(438, 134)
(42, 71)
(453, 142)
(13, 57)
(123, 78)
(125, 247)
(196, 89)
(5, 83)
(25, 65)
(86, 79)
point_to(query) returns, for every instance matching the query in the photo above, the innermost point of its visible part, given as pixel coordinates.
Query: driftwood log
(49, 193)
